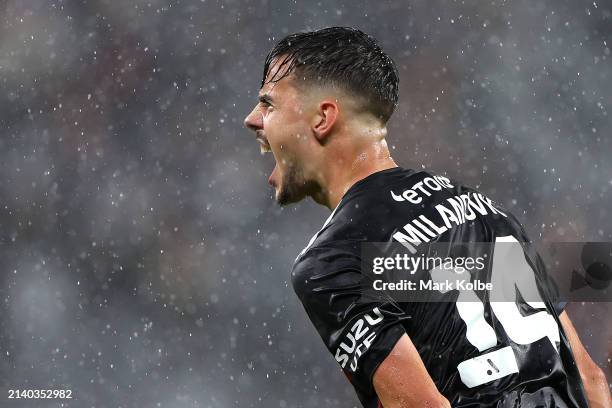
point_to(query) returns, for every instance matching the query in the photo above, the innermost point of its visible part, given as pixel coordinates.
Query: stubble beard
(294, 187)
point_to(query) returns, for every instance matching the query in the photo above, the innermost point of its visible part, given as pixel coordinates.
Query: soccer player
(324, 102)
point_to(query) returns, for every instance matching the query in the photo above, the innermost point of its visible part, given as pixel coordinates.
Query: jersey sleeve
(547, 284)
(359, 333)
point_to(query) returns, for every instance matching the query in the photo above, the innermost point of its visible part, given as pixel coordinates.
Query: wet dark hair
(343, 57)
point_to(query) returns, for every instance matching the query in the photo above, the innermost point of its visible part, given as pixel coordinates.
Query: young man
(325, 99)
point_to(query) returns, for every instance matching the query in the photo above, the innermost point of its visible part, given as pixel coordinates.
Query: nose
(254, 120)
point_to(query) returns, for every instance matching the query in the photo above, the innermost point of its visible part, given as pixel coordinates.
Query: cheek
(286, 133)
(293, 142)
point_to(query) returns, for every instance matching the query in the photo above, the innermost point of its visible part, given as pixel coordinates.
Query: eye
(264, 101)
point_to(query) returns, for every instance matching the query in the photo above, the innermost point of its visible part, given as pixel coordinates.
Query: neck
(345, 172)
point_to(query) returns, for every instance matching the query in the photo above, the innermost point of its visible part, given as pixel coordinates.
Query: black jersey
(533, 368)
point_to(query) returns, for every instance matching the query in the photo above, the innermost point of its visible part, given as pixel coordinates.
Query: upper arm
(584, 362)
(402, 380)
(593, 379)
(358, 332)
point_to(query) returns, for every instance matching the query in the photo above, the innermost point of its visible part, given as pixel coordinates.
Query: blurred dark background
(144, 262)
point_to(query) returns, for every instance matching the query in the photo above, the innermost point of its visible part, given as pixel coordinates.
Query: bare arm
(593, 378)
(402, 381)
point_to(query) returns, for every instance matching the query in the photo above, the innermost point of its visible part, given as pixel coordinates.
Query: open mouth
(264, 147)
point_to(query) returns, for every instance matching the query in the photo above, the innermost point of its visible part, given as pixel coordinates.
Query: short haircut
(339, 56)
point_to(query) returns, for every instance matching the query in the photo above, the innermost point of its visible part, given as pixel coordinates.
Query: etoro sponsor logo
(354, 344)
(414, 194)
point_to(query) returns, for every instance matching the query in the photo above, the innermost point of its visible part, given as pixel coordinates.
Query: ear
(324, 120)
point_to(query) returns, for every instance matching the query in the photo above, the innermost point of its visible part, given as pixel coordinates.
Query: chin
(286, 196)
(284, 200)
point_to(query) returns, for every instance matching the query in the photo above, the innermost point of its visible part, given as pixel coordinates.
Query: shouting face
(280, 122)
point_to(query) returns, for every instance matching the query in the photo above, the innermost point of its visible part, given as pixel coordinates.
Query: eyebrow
(266, 98)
